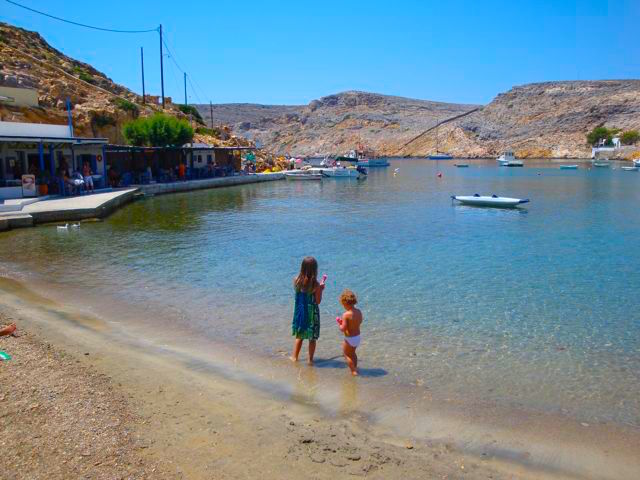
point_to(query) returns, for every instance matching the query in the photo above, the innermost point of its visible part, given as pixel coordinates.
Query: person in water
(349, 324)
(306, 314)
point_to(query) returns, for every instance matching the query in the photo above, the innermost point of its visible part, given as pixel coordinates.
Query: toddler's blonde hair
(347, 297)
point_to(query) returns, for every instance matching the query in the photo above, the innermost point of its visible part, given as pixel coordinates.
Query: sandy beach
(76, 402)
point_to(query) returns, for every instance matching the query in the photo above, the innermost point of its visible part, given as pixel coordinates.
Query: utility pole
(211, 112)
(142, 64)
(185, 89)
(161, 67)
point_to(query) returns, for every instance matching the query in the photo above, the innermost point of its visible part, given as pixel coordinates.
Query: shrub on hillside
(127, 106)
(102, 119)
(193, 111)
(214, 132)
(159, 130)
(630, 138)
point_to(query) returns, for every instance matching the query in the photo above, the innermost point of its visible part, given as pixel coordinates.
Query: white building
(42, 149)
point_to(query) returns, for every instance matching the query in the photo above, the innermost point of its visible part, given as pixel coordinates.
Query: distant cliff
(336, 123)
(538, 120)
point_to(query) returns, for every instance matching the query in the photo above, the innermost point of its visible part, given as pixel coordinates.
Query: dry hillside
(100, 106)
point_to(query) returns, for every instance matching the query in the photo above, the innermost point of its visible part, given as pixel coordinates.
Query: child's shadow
(333, 362)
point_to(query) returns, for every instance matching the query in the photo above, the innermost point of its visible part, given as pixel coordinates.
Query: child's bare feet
(293, 359)
(310, 361)
(355, 373)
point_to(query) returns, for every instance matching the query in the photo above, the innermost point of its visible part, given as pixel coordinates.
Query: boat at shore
(508, 159)
(630, 169)
(440, 156)
(568, 167)
(339, 172)
(636, 162)
(462, 165)
(302, 175)
(361, 159)
(489, 201)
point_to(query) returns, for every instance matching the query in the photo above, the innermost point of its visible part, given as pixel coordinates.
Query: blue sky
(290, 52)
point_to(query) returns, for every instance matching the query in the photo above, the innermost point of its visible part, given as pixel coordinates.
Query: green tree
(159, 130)
(600, 133)
(630, 138)
(136, 132)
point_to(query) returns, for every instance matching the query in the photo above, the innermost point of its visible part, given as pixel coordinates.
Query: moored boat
(630, 169)
(601, 163)
(568, 167)
(302, 175)
(462, 165)
(489, 201)
(636, 162)
(340, 172)
(508, 159)
(373, 162)
(440, 156)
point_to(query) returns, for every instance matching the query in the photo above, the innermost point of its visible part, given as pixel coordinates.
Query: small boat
(440, 156)
(630, 169)
(636, 162)
(373, 162)
(302, 176)
(492, 201)
(601, 163)
(462, 165)
(340, 172)
(508, 159)
(568, 167)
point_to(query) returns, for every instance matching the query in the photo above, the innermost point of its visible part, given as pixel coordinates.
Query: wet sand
(196, 422)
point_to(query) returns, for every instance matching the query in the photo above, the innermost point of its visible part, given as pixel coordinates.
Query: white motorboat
(601, 163)
(630, 169)
(568, 167)
(508, 159)
(340, 172)
(636, 162)
(489, 201)
(302, 175)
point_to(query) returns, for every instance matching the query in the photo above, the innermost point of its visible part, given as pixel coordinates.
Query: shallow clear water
(537, 307)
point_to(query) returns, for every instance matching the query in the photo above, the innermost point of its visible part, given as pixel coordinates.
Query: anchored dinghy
(492, 201)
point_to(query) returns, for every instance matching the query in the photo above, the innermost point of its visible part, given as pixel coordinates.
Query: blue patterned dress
(306, 316)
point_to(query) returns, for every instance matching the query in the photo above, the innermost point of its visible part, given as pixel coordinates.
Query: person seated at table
(86, 176)
(114, 177)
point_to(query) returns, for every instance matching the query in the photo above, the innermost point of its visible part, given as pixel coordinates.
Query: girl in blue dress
(306, 314)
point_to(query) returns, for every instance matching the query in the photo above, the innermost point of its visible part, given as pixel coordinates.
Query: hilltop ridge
(544, 119)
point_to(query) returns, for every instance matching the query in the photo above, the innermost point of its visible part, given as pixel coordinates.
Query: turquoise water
(537, 307)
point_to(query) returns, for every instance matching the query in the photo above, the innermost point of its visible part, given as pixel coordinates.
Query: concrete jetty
(66, 209)
(217, 182)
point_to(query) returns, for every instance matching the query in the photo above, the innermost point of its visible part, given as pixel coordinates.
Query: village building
(43, 151)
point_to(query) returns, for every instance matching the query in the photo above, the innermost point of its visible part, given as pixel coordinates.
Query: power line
(195, 83)
(81, 24)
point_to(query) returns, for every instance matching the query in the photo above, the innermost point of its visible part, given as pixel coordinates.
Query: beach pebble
(317, 458)
(408, 446)
(337, 462)
(354, 457)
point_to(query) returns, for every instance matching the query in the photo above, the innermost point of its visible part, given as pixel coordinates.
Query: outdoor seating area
(39, 159)
(130, 165)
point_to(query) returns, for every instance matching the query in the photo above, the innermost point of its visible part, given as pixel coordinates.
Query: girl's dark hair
(307, 279)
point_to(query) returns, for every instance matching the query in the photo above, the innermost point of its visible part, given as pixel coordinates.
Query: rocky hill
(336, 123)
(538, 120)
(100, 106)
(543, 120)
